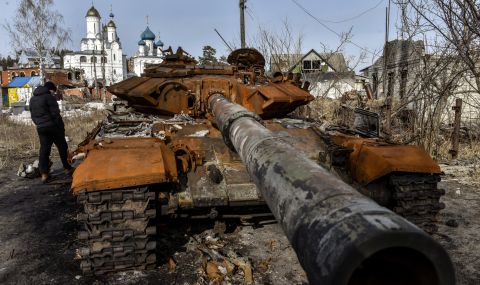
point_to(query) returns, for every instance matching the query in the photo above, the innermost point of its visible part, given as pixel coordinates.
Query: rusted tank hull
(339, 235)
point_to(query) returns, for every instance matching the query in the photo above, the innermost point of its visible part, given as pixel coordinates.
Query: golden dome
(92, 12)
(111, 24)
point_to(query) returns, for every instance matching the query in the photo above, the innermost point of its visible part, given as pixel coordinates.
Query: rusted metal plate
(124, 163)
(371, 160)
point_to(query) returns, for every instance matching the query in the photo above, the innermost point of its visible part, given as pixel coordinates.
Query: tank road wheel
(118, 232)
(417, 198)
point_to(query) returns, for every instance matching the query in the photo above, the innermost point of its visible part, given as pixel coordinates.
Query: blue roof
(141, 43)
(19, 81)
(147, 34)
(35, 81)
(159, 43)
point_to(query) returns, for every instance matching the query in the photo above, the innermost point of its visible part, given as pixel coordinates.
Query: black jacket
(44, 109)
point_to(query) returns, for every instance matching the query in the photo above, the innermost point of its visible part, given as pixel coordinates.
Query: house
(20, 89)
(401, 78)
(404, 63)
(327, 73)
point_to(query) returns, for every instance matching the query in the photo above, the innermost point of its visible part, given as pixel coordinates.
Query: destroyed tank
(191, 143)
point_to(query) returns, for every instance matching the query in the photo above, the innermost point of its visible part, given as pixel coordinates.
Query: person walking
(50, 128)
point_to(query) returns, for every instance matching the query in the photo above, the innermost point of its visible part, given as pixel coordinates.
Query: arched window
(93, 59)
(14, 74)
(33, 73)
(83, 58)
(69, 76)
(22, 74)
(114, 57)
(77, 75)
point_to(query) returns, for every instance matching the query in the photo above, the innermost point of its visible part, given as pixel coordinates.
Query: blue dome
(147, 34)
(141, 43)
(159, 43)
(111, 15)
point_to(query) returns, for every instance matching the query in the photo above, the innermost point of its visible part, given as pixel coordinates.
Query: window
(93, 59)
(403, 82)
(83, 58)
(391, 81)
(115, 71)
(22, 74)
(69, 76)
(14, 74)
(77, 75)
(316, 64)
(114, 57)
(307, 64)
(104, 59)
(375, 82)
(33, 73)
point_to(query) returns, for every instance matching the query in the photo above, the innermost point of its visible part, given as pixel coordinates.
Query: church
(100, 56)
(148, 52)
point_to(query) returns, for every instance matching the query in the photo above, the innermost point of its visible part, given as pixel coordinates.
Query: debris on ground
(29, 170)
(452, 223)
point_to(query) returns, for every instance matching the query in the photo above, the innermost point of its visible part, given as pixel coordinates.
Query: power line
(356, 16)
(330, 29)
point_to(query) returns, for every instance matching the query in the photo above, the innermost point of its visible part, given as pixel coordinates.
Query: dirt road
(38, 241)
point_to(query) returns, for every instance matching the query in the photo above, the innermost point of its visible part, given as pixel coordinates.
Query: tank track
(417, 198)
(118, 230)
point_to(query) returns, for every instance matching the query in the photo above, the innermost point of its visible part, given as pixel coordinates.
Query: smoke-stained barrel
(339, 235)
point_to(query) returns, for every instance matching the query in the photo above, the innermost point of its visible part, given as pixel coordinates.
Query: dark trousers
(49, 136)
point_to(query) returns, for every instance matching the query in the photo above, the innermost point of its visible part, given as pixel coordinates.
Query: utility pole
(242, 23)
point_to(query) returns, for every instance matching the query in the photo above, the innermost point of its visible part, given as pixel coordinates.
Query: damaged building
(404, 75)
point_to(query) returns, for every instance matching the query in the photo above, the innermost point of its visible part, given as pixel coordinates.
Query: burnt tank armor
(190, 157)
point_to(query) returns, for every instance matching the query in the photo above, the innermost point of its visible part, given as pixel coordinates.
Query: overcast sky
(191, 23)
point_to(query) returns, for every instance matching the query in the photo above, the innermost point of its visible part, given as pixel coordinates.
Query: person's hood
(40, 90)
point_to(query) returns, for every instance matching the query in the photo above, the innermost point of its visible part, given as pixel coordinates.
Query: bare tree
(281, 49)
(447, 65)
(37, 27)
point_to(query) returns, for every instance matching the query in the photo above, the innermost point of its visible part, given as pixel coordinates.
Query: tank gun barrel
(339, 235)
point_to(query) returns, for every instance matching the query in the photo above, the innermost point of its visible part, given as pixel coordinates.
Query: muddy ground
(38, 240)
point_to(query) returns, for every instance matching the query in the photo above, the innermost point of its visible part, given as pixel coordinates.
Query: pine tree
(208, 57)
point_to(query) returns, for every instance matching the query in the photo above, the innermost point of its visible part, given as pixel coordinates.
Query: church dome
(147, 34)
(92, 12)
(111, 24)
(159, 43)
(141, 43)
